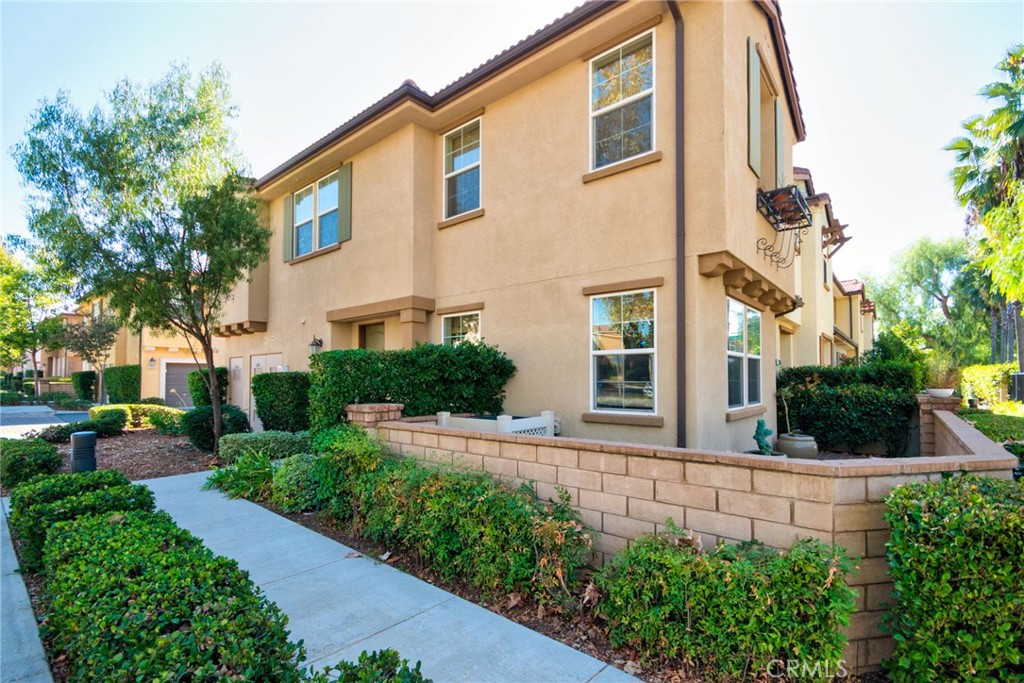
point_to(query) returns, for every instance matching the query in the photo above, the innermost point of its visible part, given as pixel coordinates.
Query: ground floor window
(623, 352)
(456, 329)
(743, 354)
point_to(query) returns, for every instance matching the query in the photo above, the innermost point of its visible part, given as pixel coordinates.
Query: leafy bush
(139, 415)
(197, 424)
(68, 403)
(282, 400)
(38, 505)
(198, 390)
(153, 401)
(732, 610)
(28, 387)
(295, 484)
(276, 444)
(385, 666)
(110, 424)
(134, 597)
(250, 477)
(852, 416)
(958, 598)
(84, 383)
(987, 383)
(122, 383)
(895, 375)
(468, 378)
(10, 398)
(23, 459)
(167, 423)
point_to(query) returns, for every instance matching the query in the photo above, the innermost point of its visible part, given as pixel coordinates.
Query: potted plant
(764, 446)
(795, 444)
(941, 376)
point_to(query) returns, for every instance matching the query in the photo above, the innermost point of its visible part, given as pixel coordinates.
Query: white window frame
(479, 324)
(744, 356)
(617, 352)
(652, 93)
(445, 175)
(317, 215)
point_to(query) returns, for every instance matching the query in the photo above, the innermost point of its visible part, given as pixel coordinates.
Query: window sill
(622, 419)
(621, 166)
(744, 413)
(314, 254)
(461, 218)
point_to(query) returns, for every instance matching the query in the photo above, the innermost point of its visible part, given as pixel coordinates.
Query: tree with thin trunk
(144, 200)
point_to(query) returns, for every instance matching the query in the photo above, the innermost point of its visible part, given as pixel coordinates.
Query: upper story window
(315, 215)
(456, 329)
(462, 170)
(743, 355)
(622, 352)
(766, 131)
(622, 102)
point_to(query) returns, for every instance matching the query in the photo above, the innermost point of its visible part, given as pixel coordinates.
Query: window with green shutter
(753, 107)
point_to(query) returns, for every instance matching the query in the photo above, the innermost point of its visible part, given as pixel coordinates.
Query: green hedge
(111, 423)
(958, 596)
(276, 444)
(23, 459)
(84, 383)
(62, 497)
(385, 666)
(138, 414)
(895, 375)
(122, 383)
(197, 386)
(987, 383)
(295, 483)
(468, 378)
(10, 398)
(731, 611)
(197, 425)
(134, 597)
(282, 400)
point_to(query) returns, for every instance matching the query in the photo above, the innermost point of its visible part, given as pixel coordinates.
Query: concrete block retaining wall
(625, 490)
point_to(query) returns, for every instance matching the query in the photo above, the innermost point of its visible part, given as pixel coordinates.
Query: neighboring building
(616, 223)
(60, 362)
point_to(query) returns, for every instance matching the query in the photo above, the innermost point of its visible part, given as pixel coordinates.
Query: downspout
(680, 188)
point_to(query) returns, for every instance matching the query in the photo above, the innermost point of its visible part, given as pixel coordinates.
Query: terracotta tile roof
(853, 286)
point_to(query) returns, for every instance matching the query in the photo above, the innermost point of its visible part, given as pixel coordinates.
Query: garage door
(176, 385)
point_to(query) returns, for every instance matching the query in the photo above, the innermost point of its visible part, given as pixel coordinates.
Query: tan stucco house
(611, 201)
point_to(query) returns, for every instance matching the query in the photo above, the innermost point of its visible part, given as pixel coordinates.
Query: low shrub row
(10, 398)
(958, 599)
(138, 415)
(198, 390)
(282, 400)
(987, 383)
(732, 611)
(902, 376)
(111, 423)
(197, 424)
(84, 383)
(468, 378)
(123, 383)
(131, 596)
(276, 444)
(23, 459)
(39, 504)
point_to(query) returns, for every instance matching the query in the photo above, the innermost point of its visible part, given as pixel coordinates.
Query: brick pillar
(929, 404)
(369, 414)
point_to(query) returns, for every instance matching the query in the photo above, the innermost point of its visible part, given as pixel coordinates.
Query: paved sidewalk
(341, 605)
(16, 421)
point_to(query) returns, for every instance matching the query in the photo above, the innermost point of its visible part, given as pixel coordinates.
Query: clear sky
(884, 85)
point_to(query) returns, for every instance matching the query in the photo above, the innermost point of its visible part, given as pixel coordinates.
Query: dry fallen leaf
(514, 600)
(354, 553)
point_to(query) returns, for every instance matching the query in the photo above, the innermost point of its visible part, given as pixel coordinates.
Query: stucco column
(928, 404)
(414, 326)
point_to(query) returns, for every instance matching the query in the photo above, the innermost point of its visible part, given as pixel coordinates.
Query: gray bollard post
(83, 452)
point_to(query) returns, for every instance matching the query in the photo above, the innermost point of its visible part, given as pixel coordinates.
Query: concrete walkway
(16, 421)
(340, 604)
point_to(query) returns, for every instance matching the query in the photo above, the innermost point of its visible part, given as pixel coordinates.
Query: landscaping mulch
(144, 454)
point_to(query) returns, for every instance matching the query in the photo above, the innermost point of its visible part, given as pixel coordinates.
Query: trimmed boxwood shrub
(294, 487)
(468, 378)
(111, 423)
(10, 398)
(122, 383)
(958, 598)
(138, 414)
(276, 444)
(62, 497)
(134, 597)
(197, 386)
(84, 383)
(282, 400)
(730, 611)
(23, 459)
(197, 425)
(895, 375)
(153, 401)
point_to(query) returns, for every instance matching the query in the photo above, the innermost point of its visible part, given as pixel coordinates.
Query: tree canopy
(144, 199)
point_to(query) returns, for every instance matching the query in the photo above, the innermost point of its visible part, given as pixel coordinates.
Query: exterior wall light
(151, 364)
(316, 345)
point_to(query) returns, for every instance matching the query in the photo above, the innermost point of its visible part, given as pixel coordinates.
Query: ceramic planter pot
(940, 393)
(798, 446)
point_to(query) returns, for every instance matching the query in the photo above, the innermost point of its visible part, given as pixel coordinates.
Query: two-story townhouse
(605, 201)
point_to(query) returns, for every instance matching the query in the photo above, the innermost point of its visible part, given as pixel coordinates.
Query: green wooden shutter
(345, 203)
(753, 107)
(288, 229)
(780, 145)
